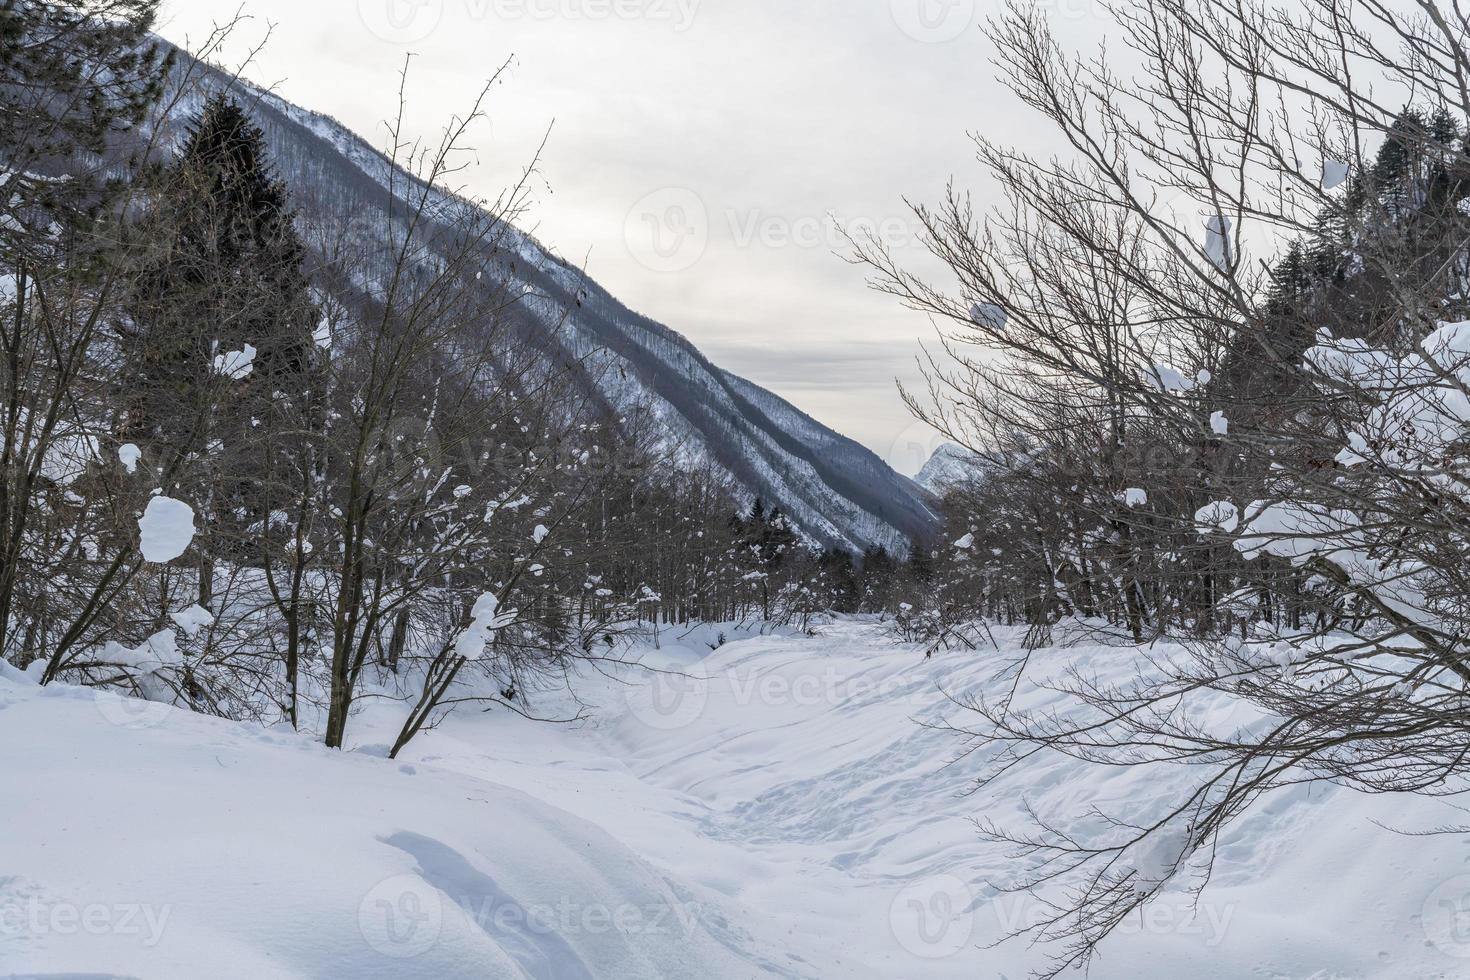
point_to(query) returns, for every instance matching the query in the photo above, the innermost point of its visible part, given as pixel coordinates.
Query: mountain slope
(838, 492)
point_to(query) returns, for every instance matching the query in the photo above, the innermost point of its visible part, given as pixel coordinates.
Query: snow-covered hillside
(838, 492)
(782, 806)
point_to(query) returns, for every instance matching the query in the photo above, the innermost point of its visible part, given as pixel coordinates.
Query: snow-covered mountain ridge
(837, 491)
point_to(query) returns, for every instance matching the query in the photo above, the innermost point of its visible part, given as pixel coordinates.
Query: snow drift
(780, 806)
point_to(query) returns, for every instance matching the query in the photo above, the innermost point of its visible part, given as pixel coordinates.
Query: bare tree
(1200, 428)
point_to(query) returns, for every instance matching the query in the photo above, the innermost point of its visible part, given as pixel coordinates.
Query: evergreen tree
(1290, 278)
(1445, 135)
(879, 575)
(72, 75)
(921, 564)
(1331, 237)
(769, 542)
(1397, 169)
(226, 273)
(225, 287)
(841, 579)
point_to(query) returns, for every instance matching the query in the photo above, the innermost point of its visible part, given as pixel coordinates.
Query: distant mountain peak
(951, 463)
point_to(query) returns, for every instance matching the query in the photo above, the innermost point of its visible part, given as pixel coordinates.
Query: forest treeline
(1095, 479)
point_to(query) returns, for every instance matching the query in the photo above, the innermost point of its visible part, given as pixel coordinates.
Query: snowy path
(783, 776)
(800, 779)
(777, 809)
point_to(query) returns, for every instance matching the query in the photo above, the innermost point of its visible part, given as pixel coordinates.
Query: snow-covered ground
(776, 807)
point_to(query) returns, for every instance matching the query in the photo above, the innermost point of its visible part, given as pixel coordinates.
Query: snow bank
(854, 817)
(185, 847)
(772, 806)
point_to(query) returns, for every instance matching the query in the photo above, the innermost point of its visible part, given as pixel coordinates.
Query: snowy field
(778, 808)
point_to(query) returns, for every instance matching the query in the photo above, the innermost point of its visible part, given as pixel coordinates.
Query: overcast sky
(697, 149)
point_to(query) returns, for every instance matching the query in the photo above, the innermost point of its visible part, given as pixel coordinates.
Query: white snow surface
(779, 807)
(1167, 378)
(166, 529)
(1217, 241)
(129, 454)
(1221, 515)
(159, 652)
(192, 620)
(485, 619)
(989, 315)
(236, 364)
